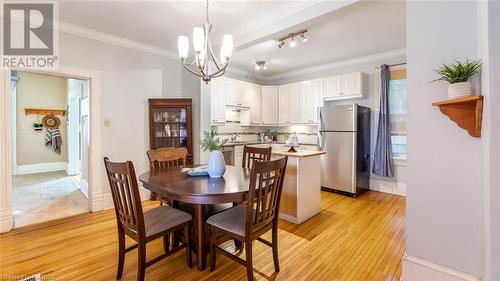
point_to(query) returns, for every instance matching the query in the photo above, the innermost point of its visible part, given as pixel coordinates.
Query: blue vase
(216, 165)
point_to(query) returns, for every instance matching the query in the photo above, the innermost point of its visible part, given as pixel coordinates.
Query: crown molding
(114, 40)
(370, 58)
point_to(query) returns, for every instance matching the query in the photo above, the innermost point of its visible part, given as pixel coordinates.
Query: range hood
(235, 107)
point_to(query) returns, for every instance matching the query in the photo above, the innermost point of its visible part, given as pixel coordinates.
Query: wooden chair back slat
(266, 185)
(168, 157)
(125, 194)
(252, 154)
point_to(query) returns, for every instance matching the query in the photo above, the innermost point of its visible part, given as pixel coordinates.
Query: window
(397, 109)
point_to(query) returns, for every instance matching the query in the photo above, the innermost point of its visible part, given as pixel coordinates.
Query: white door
(333, 86)
(218, 100)
(75, 93)
(270, 104)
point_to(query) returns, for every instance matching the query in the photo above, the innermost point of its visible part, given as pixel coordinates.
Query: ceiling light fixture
(205, 58)
(291, 37)
(260, 65)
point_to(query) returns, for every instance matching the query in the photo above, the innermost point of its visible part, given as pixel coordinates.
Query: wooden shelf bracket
(466, 112)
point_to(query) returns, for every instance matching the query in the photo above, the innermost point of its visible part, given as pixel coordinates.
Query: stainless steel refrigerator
(344, 134)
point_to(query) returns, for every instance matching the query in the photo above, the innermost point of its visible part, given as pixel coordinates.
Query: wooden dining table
(176, 184)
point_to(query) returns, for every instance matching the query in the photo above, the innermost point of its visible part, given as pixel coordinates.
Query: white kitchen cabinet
(306, 103)
(253, 98)
(317, 95)
(346, 86)
(333, 86)
(218, 100)
(311, 97)
(270, 104)
(351, 84)
(289, 104)
(235, 92)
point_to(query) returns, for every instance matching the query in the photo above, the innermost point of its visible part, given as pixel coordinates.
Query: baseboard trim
(39, 168)
(107, 199)
(390, 187)
(416, 269)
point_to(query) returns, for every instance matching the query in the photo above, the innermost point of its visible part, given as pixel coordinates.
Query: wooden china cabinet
(170, 124)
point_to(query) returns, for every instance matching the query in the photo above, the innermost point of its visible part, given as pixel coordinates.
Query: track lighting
(292, 43)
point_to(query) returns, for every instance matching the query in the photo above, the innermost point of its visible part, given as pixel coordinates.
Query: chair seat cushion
(163, 218)
(232, 220)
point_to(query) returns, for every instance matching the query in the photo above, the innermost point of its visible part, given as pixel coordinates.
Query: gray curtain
(383, 164)
(13, 79)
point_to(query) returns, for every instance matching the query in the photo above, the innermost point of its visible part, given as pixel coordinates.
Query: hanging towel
(53, 139)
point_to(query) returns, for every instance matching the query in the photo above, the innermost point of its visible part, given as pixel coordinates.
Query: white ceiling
(359, 29)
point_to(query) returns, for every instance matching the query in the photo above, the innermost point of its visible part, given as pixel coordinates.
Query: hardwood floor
(351, 239)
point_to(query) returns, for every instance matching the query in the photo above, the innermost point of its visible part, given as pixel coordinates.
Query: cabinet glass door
(170, 127)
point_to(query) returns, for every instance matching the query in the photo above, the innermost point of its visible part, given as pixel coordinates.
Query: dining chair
(142, 227)
(252, 154)
(164, 158)
(248, 222)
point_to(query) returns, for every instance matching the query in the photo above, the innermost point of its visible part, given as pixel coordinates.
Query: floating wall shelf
(467, 112)
(44, 112)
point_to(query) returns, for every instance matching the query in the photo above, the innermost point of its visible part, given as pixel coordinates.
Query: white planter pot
(457, 90)
(216, 165)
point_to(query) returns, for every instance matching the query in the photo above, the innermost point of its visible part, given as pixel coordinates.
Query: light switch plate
(107, 122)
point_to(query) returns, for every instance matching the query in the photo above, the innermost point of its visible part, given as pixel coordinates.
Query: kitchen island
(301, 197)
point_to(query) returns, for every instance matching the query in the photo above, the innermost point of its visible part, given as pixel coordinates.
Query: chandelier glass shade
(205, 63)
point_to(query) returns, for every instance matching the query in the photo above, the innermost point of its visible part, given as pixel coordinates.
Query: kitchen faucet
(234, 137)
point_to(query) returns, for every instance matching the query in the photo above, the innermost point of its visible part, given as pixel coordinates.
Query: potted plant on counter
(458, 75)
(216, 165)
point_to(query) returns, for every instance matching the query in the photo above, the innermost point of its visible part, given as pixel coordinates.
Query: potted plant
(37, 126)
(458, 75)
(216, 164)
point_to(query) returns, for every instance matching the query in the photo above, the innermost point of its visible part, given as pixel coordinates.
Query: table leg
(200, 214)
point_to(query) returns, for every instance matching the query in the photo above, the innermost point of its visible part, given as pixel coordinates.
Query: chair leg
(213, 233)
(189, 257)
(141, 270)
(248, 252)
(275, 249)
(166, 242)
(121, 253)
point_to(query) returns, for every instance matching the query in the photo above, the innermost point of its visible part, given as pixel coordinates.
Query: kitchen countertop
(232, 144)
(303, 153)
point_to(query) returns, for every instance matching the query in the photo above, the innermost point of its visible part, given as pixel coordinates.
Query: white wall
(492, 257)
(445, 196)
(129, 78)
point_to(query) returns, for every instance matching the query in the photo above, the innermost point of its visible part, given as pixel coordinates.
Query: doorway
(49, 153)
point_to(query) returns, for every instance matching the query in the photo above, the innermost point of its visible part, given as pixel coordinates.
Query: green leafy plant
(37, 125)
(211, 142)
(458, 71)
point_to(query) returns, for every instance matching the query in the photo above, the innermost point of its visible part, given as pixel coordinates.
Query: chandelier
(205, 64)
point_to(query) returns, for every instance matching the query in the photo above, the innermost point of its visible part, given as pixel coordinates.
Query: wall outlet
(107, 122)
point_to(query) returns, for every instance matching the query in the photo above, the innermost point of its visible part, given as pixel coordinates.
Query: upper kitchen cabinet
(310, 98)
(289, 103)
(235, 93)
(270, 105)
(346, 86)
(218, 100)
(253, 98)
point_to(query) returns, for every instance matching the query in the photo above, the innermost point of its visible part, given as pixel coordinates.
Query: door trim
(95, 165)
